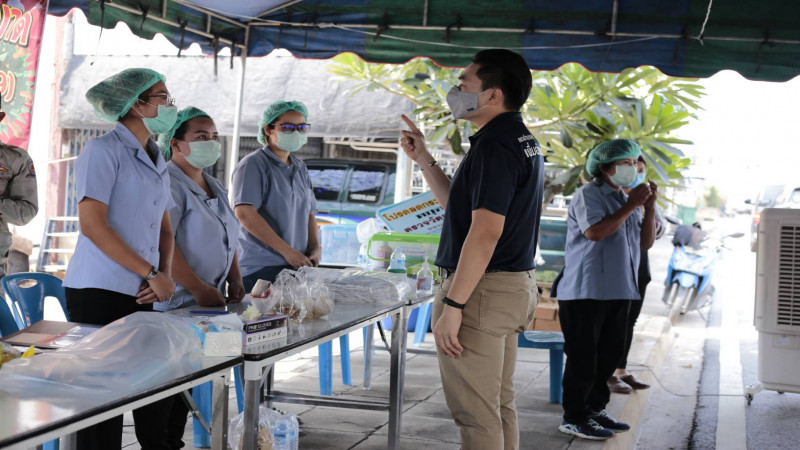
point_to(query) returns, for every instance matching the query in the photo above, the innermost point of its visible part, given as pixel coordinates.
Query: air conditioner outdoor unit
(777, 300)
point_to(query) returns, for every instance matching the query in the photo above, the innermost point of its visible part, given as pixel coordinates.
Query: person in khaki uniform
(486, 252)
(18, 196)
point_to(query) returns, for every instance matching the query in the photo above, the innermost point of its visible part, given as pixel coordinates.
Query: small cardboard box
(546, 311)
(545, 325)
(546, 316)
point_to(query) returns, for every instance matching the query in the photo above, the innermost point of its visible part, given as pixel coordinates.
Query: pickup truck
(348, 192)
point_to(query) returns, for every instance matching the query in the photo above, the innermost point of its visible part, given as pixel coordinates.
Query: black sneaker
(586, 430)
(610, 423)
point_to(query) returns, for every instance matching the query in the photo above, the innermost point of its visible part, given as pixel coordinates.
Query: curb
(657, 337)
(652, 342)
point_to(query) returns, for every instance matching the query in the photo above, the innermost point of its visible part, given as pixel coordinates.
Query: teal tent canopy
(687, 38)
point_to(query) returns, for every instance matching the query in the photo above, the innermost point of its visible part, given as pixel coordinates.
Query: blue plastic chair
(27, 291)
(326, 364)
(553, 341)
(27, 307)
(7, 323)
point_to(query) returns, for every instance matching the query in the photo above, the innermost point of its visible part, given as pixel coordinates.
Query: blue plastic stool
(423, 323)
(326, 364)
(27, 291)
(202, 397)
(553, 341)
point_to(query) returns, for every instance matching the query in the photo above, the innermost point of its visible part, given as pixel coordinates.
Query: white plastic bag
(125, 356)
(366, 228)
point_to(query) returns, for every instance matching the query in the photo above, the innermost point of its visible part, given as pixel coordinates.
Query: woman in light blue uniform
(606, 231)
(273, 198)
(123, 258)
(205, 259)
(204, 262)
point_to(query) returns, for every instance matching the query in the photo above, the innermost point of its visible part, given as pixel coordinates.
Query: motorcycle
(690, 274)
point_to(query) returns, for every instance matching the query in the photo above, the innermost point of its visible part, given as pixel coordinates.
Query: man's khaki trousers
(478, 385)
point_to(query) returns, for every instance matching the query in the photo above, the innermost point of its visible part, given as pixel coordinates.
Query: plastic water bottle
(363, 258)
(285, 433)
(397, 262)
(425, 279)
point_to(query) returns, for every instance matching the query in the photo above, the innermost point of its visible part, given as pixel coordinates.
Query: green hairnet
(184, 116)
(274, 111)
(113, 97)
(610, 151)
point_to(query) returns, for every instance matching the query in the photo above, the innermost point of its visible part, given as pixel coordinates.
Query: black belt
(445, 273)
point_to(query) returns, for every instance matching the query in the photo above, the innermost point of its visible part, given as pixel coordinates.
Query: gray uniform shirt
(283, 195)
(18, 196)
(205, 231)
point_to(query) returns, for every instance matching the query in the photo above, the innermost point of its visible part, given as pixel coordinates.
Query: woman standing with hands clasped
(605, 231)
(206, 230)
(123, 258)
(273, 198)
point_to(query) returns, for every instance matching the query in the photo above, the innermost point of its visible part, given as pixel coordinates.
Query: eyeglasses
(290, 127)
(166, 98)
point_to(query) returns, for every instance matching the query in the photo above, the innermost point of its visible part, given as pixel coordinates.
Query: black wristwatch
(153, 273)
(453, 303)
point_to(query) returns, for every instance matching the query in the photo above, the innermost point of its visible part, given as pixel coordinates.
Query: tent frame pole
(233, 153)
(369, 26)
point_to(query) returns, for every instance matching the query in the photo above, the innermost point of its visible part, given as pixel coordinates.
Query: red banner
(21, 25)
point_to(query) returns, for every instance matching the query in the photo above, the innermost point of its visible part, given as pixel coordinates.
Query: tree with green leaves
(570, 110)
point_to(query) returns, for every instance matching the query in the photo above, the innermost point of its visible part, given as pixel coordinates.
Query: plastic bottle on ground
(397, 262)
(285, 433)
(425, 279)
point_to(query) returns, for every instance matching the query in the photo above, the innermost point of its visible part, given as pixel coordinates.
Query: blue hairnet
(274, 111)
(184, 116)
(610, 151)
(113, 97)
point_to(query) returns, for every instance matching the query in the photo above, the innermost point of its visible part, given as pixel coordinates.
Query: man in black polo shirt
(492, 210)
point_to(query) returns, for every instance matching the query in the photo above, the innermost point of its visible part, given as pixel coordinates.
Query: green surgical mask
(204, 153)
(291, 142)
(163, 121)
(624, 175)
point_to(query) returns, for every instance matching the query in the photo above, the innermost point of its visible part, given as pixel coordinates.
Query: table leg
(397, 376)
(69, 442)
(219, 412)
(269, 386)
(250, 422)
(369, 337)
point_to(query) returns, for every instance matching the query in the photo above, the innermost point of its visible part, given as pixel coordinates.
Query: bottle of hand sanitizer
(425, 279)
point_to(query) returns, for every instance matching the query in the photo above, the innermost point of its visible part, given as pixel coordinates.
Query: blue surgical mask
(204, 153)
(637, 181)
(291, 142)
(624, 175)
(163, 121)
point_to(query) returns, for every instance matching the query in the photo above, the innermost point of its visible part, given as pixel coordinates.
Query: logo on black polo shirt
(530, 151)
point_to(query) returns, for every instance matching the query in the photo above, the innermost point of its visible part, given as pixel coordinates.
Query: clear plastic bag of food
(265, 420)
(290, 296)
(7, 353)
(320, 300)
